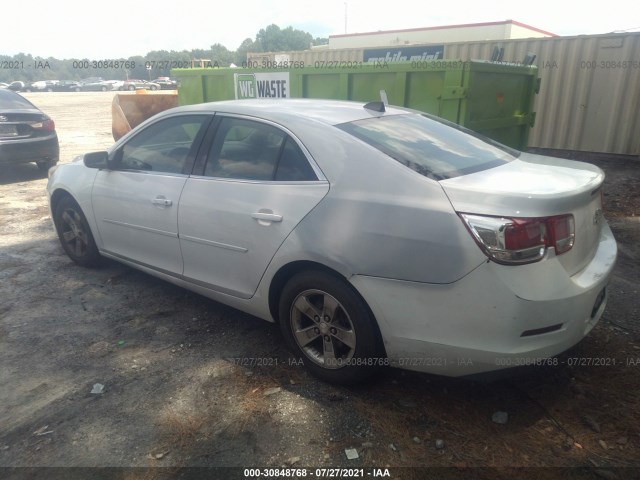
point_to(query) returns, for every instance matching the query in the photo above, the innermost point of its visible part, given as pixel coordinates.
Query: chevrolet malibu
(373, 235)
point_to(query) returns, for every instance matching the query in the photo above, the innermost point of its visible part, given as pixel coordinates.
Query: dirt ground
(182, 387)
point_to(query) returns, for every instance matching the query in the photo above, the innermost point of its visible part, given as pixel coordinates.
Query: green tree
(6, 75)
(240, 56)
(162, 61)
(140, 71)
(20, 67)
(220, 56)
(273, 39)
(320, 41)
(269, 39)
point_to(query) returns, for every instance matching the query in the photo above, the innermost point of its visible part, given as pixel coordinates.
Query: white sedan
(374, 235)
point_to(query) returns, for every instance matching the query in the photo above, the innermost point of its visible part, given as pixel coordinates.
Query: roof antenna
(378, 106)
(383, 97)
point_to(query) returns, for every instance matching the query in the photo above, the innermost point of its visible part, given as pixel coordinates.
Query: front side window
(162, 147)
(250, 150)
(432, 147)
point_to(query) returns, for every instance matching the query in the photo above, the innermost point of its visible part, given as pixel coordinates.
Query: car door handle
(165, 202)
(267, 217)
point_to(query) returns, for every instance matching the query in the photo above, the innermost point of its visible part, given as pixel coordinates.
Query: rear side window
(249, 150)
(11, 100)
(293, 165)
(433, 148)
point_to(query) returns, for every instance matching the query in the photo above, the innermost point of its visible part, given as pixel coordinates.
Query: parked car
(138, 85)
(67, 86)
(95, 86)
(373, 235)
(114, 84)
(42, 86)
(92, 80)
(26, 133)
(17, 86)
(166, 83)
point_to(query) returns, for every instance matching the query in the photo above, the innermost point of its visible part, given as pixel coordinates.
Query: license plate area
(8, 131)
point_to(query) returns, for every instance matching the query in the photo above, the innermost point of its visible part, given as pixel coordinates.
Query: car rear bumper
(496, 317)
(45, 149)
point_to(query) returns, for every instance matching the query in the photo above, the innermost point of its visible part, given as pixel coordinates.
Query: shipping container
(590, 85)
(493, 99)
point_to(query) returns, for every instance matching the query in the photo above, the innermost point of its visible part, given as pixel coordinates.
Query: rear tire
(74, 233)
(327, 323)
(44, 166)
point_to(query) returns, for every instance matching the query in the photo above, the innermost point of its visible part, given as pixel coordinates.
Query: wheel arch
(287, 271)
(57, 196)
(84, 250)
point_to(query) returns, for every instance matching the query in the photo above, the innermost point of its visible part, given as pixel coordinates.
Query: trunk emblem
(597, 216)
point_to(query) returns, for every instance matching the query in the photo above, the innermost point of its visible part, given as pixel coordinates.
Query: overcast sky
(112, 29)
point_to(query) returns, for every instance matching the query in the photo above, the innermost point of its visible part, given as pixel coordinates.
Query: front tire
(74, 233)
(325, 321)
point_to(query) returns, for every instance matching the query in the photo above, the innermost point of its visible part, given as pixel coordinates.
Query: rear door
(136, 203)
(255, 187)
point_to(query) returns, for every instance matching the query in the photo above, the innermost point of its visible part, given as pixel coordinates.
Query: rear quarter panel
(379, 218)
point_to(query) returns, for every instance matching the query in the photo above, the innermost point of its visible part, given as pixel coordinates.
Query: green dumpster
(494, 99)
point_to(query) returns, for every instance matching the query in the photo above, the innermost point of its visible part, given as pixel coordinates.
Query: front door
(135, 203)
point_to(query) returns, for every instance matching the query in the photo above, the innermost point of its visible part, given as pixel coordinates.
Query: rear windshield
(431, 146)
(11, 100)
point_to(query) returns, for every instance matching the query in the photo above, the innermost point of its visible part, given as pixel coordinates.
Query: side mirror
(96, 160)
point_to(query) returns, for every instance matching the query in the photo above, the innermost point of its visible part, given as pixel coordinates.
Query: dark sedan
(17, 86)
(67, 86)
(26, 133)
(166, 83)
(97, 86)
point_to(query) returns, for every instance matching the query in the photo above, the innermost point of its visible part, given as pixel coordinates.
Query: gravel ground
(191, 383)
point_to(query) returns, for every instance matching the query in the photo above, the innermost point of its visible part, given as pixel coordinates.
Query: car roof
(331, 112)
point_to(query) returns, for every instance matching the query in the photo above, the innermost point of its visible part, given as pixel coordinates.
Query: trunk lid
(17, 124)
(537, 186)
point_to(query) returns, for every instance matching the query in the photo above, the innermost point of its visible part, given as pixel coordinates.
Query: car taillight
(563, 233)
(46, 125)
(521, 240)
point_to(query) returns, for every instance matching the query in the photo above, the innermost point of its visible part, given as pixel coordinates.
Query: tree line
(157, 63)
